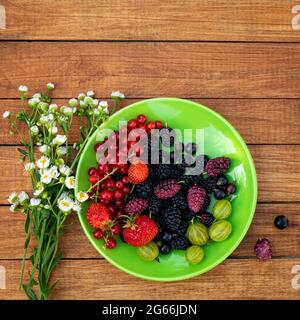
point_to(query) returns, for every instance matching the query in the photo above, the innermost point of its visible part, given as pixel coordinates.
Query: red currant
(158, 124)
(119, 204)
(104, 168)
(126, 189)
(92, 171)
(141, 118)
(112, 211)
(119, 184)
(98, 234)
(103, 185)
(110, 243)
(110, 183)
(149, 126)
(125, 180)
(106, 195)
(118, 195)
(123, 170)
(132, 124)
(93, 179)
(116, 229)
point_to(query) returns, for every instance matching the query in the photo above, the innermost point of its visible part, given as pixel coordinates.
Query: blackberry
(163, 171)
(143, 189)
(193, 179)
(217, 166)
(209, 184)
(117, 176)
(166, 237)
(181, 230)
(180, 243)
(171, 219)
(154, 207)
(179, 201)
(206, 218)
(188, 216)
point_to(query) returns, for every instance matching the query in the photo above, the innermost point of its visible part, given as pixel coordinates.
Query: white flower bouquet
(52, 198)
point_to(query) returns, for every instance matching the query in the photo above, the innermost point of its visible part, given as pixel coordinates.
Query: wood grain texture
(274, 165)
(233, 279)
(251, 117)
(233, 20)
(195, 70)
(12, 234)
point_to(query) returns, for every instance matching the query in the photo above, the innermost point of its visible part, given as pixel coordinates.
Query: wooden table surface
(240, 57)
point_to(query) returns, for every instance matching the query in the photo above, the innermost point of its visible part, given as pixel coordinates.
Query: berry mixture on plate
(159, 207)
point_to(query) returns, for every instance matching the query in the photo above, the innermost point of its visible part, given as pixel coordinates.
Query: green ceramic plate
(221, 139)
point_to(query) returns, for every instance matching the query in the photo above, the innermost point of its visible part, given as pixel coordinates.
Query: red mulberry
(217, 166)
(262, 249)
(196, 198)
(167, 189)
(135, 206)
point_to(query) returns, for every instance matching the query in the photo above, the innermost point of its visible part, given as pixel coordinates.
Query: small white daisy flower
(46, 177)
(33, 102)
(29, 166)
(60, 139)
(82, 196)
(13, 198)
(76, 206)
(90, 93)
(34, 130)
(65, 170)
(71, 182)
(23, 196)
(37, 96)
(65, 204)
(53, 107)
(68, 111)
(61, 151)
(88, 100)
(51, 118)
(13, 207)
(117, 94)
(105, 110)
(82, 104)
(81, 96)
(103, 104)
(23, 89)
(96, 112)
(95, 102)
(73, 102)
(43, 162)
(64, 195)
(54, 172)
(44, 119)
(50, 86)
(39, 189)
(53, 130)
(43, 148)
(35, 202)
(6, 114)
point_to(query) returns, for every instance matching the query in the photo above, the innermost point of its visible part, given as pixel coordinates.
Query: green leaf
(25, 153)
(29, 292)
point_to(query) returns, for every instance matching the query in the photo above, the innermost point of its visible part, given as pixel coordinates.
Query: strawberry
(98, 215)
(138, 172)
(140, 231)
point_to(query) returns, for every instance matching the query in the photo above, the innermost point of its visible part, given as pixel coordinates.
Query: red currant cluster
(110, 183)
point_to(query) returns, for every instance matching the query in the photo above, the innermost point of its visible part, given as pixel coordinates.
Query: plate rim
(250, 217)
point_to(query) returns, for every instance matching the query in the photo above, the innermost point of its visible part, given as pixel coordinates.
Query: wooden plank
(233, 279)
(251, 20)
(206, 70)
(252, 117)
(12, 234)
(278, 171)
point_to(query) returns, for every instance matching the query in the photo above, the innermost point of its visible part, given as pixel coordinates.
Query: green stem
(27, 240)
